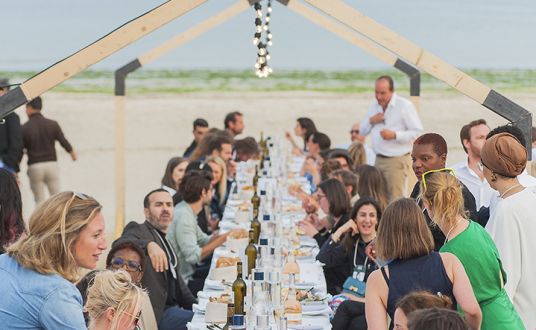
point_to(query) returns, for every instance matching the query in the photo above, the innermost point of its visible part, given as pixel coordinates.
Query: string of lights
(262, 69)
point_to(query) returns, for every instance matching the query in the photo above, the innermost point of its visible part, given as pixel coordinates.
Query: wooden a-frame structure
(377, 35)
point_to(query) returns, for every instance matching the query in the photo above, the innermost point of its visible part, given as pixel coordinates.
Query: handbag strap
(355, 252)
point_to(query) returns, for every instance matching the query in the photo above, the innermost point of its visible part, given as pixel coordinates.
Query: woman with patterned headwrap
(513, 223)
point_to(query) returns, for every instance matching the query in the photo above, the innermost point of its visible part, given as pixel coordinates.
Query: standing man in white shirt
(393, 123)
(469, 171)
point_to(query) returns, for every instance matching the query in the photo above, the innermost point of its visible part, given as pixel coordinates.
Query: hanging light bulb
(262, 51)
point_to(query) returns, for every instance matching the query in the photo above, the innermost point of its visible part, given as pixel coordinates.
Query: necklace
(507, 190)
(451, 228)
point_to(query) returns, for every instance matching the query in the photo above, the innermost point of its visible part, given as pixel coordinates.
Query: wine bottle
(230, 314)
(291, 266)
(239, 290)
(251, 252)
(293, 309)
(256, 200)
(256, 226)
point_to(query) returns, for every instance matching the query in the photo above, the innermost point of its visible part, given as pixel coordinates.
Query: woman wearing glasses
(66, 232)
(335, 202)
(114, 302)
(405, 240)
(512, 224)
(128, 256)
(442, 197)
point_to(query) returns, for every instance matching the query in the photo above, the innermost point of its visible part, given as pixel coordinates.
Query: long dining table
(314, 316)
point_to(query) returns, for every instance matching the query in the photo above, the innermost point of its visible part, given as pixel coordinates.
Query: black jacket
(188, 152)
(324, 235)
(468, 202)
(338, 264)
(157, 283)
(11, 141)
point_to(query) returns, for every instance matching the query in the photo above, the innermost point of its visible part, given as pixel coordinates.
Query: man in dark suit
(171, 299)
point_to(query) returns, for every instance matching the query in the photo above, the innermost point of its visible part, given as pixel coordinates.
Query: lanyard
(172, 264)
(355, 255)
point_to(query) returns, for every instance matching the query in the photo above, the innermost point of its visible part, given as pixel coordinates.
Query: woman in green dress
(442, 197)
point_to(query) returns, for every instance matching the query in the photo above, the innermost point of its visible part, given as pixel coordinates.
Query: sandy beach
(158, 126)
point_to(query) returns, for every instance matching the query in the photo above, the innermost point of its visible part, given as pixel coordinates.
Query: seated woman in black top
(335, 202)
(344, 255)
(346, 246)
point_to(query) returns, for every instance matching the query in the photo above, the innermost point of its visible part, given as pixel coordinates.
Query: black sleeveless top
(425, 273)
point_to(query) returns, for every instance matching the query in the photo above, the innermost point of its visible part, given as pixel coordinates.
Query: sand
(159, 127)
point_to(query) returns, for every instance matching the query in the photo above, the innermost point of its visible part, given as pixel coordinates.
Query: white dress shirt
(400, 117)
(479, 188)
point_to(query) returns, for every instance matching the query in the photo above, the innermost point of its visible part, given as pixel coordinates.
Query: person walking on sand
(39, 135)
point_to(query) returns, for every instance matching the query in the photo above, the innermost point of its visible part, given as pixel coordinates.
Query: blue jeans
(175, 318)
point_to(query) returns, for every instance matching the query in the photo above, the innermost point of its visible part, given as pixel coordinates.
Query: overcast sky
(468, 34)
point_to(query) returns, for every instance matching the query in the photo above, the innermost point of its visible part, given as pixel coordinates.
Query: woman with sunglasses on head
(114, 302)
(65, 233)
(128, 256)
(406, 242)
(442, 197)
(512, 223)
(429, 154)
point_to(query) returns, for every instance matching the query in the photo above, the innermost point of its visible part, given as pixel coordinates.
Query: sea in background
(348, 81)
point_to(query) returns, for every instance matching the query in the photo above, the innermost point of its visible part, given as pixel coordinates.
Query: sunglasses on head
(136, 319)
(446, 169)
(131, 265)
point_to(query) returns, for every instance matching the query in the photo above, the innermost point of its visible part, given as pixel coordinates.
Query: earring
(493, 177)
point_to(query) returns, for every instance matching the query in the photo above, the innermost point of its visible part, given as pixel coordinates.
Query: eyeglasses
(131, 265)
(136, 319)
(354, 131)
(446, 169)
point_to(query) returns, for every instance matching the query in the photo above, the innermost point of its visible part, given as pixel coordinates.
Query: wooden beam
(120, 92)
(370, 47)
(95, 52)
(428, 62)
(119, 165)
(194, 32)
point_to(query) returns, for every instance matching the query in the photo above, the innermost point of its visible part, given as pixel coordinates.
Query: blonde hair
(403, 232)
(113, 289)
(358, 153)
(222, 185)
(444, 195)
(54, 228)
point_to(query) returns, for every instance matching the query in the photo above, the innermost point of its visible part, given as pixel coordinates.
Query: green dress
(480, 258)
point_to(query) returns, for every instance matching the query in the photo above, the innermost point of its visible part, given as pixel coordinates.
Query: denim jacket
(31, 300)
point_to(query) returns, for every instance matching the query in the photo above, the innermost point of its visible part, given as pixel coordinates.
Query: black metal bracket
(11, 101)
(413, 74)
(513, 112)
(121, 76)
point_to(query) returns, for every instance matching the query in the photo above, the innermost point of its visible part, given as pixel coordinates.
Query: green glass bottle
(239, 291)
(230, 314)
(256, 200)
(256, 226)
(251, 252)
